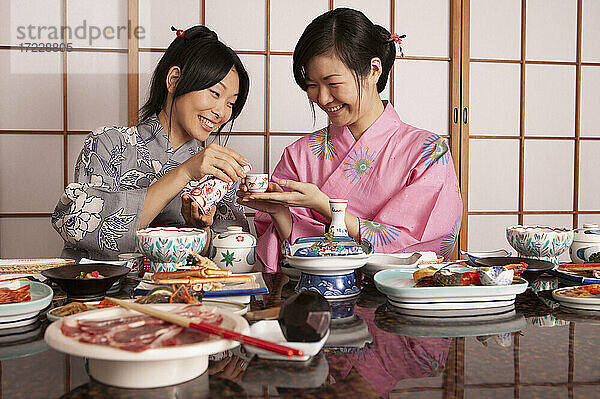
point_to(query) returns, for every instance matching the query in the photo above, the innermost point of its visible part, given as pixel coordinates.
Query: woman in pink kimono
(399, 180)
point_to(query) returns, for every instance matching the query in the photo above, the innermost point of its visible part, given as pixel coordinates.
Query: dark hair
(352, 37)
(204, 61)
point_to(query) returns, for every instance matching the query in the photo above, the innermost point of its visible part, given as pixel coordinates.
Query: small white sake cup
(257, 182)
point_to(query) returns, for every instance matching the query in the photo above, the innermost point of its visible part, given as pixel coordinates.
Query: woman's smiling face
(201, 112)
(334, 88)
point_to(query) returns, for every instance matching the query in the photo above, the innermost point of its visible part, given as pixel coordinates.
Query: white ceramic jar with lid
(586, 241)
(233, 250)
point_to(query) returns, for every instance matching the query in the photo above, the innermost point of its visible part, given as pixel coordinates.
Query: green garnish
(81, 276)
(594, 258)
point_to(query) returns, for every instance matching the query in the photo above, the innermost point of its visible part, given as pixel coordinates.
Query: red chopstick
(246, 339)
(209, 328)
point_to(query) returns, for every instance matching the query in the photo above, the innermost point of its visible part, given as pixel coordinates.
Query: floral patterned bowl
(168, 247)
(539, 242)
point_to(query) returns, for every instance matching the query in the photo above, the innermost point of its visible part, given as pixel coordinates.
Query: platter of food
(327, 256)
(230, 285)
(582, 273)
(584, 297)
(453, 287)
(80, 307)
(21, 302)
(165, 354)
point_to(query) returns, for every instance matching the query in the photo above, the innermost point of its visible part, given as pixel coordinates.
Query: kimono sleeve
(304, 222)
(95, 216)
(424, 215)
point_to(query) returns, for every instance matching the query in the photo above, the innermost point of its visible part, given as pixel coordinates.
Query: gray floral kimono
(98, 214)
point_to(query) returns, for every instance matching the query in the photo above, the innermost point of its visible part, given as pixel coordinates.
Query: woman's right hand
(216, 160)
(260, 205)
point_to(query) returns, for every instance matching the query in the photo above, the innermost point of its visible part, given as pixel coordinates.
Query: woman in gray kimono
(129, 177)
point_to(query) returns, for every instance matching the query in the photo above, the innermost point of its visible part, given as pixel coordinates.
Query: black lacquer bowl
(535, 267)
(86, 289)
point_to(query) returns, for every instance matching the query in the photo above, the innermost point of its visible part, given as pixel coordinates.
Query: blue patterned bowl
(539, 242)
(331, 287)
(168, 247)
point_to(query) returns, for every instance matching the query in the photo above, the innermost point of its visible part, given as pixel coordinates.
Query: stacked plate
(398, 286)
(24, 313)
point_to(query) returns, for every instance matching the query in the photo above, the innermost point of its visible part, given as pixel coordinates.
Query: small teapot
(586, 241)
(233, 250)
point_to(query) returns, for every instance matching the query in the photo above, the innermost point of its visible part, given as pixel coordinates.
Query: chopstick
(209, 328)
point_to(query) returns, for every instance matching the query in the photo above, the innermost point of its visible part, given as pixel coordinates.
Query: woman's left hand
(301, 194)
(192, 216)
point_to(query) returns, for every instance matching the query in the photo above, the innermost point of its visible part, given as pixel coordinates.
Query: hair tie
(178, 32)
(394, 37)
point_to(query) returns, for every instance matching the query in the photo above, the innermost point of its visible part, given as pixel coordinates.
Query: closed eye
(215, 93)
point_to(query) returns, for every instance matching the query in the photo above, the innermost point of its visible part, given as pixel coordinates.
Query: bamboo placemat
(10, 266)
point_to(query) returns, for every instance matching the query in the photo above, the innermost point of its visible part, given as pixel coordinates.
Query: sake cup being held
(257, 182)
(496, 275)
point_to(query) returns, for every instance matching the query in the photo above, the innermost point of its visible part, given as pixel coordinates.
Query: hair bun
(201, 32)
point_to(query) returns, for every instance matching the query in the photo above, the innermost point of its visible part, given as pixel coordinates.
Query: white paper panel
(100, 23)
(157, 17)
(495, 29)
(590, 100)
(558, 220)
(550, 100)
(252, 118)
(488, 232)
(589, 165)
(378, 11)
(493, 175)
(589, 219)
(495, 98)
(30, 172)
(97, 90)
(551, 30)
(590, 51)
(75, 145)
(251, 147)
(29, 238)
(277, 145)
(548, 175)
(289, 18)
(421, 94)
(31, 86)
(290, 110)
(18, 16)
(426, 25)
(248, 32)
(148, 62)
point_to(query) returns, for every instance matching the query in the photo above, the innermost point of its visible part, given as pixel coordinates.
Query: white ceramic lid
(234, 237)
(588, 233)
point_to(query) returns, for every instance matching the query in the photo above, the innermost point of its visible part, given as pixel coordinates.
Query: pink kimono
(399, 181)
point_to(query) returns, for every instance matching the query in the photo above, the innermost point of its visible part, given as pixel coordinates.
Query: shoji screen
(533, 94)
(54, 99)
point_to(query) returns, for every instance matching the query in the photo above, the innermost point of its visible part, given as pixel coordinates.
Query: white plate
(271, 331)
(576, 303)
(24, 313)
(152, 367)
(234, 307)
(398, 286)
(379, 262)
(472, 256)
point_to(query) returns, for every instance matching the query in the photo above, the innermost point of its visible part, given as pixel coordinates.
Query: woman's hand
(263, 206)
(216, 160)
(301, 194)
(192, 216)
